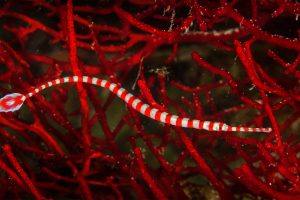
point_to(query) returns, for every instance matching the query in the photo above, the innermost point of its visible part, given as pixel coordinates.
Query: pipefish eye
(10, 102)
(1, 108)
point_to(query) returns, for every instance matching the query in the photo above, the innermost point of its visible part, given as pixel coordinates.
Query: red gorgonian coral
(228, 61)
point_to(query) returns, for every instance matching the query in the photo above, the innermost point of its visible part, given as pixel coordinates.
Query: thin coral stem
(74, 64)
(7, 150)
(145, 174)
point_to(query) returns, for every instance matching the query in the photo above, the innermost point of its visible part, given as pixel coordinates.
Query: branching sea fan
(220, 80)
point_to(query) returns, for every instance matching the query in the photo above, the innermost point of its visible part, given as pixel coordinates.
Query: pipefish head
(11, 102)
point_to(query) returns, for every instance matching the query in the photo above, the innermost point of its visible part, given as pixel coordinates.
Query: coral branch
(7, 150)
(144, 173)
(76, 71)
